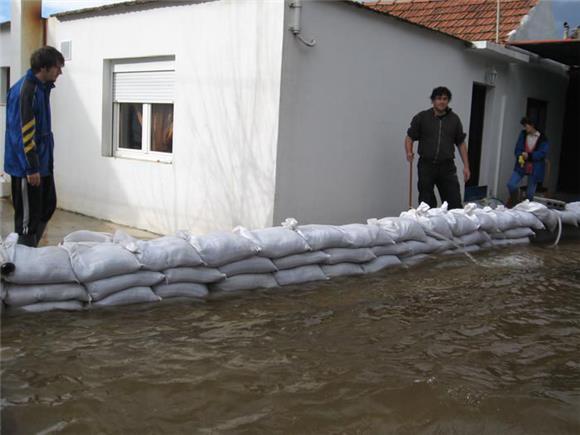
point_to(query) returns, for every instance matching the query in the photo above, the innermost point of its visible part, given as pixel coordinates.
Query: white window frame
(145, 153)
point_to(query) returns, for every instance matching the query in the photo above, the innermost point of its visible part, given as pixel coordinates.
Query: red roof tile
(470, 20)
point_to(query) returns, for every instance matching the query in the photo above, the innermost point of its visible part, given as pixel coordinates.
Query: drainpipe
(296, 7)
(497, 22)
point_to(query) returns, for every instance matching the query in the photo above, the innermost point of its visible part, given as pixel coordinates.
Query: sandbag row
(90, 269)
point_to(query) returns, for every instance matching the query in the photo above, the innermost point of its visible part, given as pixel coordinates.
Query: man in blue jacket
(29, 145)
(531, 150)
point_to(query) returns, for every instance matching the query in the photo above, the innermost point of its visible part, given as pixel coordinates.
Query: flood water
(444, 347)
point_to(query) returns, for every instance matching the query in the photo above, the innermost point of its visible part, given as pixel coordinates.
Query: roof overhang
(500, 52)
(565, 51)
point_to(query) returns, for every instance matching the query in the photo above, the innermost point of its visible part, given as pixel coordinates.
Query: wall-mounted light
(490, 76)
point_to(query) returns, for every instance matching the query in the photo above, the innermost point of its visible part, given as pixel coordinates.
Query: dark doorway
(538, 110)
(569, 179)
(476, 131)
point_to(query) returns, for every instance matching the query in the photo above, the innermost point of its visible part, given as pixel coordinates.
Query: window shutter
(144, 82)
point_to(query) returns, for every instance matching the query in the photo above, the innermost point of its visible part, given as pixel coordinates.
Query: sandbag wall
(92, 270)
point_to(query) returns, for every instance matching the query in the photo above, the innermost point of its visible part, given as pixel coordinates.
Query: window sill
(146, 157)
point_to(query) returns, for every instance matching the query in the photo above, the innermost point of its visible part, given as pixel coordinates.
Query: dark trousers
(442, 174)
(33, 208)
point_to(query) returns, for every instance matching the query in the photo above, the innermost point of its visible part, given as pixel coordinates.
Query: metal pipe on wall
(295, 28)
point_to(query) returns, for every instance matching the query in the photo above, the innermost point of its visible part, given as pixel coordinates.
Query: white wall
(5, 56)
(228, 67)
(347, 102)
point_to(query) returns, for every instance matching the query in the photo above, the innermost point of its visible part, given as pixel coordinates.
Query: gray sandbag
(475, 238)
(245, 282)
(400, 229)
(43, 307)
(346, 255)
(432, 245)
(298, 260)
(527, 219)
(161, 253)
(499, 243)
(321, 237)
(102, 288)
(414, 259)
(342, 269)
(568, 217)
(134, 295)
(19, 295)
(300, 275)
(91, 262)
(201, 275)
(88, 236)
(181, 290)
(366, 236)
(276, 242)
(514, 233)
(251, 265)
(399, 249)
(48, 265)
(487, 220)
(465, 249)
(381, 263)
(219, 248)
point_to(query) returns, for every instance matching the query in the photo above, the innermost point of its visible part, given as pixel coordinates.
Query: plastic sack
(346, 255)
(414, 259)
(43, 307)
(510, 242)
(543, 213)
(88, 236)
(245, 282)
(514, 233)
(298, 260)
(399, 249)
(250, 265)
(202, 275)
(366, 236)
(342, 269)
(275, 242)
(400, 229)
(181, 290)
(219, 248)
(475, 238)
(381, 263)
(300, 275)
(102, 288)
(321, 237)
(134, 295)
(19, 295)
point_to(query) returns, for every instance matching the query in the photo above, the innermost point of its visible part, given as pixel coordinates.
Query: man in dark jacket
(29, 145)
(438, 130)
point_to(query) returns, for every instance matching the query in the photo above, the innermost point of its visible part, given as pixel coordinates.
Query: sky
(564, 10)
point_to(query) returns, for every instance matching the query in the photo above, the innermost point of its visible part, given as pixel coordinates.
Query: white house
(210, 114)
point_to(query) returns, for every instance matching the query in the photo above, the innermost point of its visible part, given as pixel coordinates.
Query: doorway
(476, 121)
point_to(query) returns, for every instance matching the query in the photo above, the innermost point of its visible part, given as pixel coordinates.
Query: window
(4, 84)
(143, 94)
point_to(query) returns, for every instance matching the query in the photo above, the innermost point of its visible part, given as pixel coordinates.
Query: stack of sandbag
(110, 273)
(514, 227)
(43, 279)
(171, 265)
(573, 211)
(468, 235)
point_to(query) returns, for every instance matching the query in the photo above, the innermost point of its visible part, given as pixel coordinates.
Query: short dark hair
(46, 57)
(528, 120)
(440, 91)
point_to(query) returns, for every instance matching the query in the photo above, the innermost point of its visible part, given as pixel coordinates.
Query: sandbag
(275, 242)
(300, 275)
(461, 223)
(381, 263)
(487, 220)
(134, 295)
(465, 249)
(43, 307)
(245, 282)
(91, 262)
(475, 238)
(568, 217)
(432, 245)
(202, 275)
(505, 221)
(181, 290)
(400, 229)
(346, 255)
(19, 295)
(219, 248)
(293, 261)
(161, 253)
(88, 236)
(104, 287)
(527, 219)
(514, 233)
(400, 249)
(510, 242)
(548, 217)
(342, 269)
(321, 237)
(414, 259)
(433, 224)
(249, 266)
(366, 236)
(48, 265)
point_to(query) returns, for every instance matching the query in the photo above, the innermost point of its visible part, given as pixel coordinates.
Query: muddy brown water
(444, 347)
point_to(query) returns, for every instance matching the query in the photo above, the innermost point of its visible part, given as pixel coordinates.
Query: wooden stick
(411, 184)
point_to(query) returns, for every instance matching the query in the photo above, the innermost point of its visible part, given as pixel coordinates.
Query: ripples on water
(445, 347)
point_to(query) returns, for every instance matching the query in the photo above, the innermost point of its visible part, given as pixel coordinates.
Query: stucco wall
(228, 66)
(5, 59)
(347, 102)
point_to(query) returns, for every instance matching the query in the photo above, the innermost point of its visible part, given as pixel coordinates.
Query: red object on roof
(470, 20)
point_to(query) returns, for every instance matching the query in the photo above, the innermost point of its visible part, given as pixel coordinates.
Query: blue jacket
(29, 142)
(537, 157)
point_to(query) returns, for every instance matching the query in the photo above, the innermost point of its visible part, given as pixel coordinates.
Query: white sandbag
(134, 295)
(161, 253)
(181, 290)
(249, 266)
(346, 255)
(275, 242)
(415, 259)
(43, 307)
(91, 262)
(342, 269)
(300, 275)
(380, 263)
(366, 236)
(527, 219)
(19, 295)
(568, 217)
(298, 260)
(487, 220)
(48, 265)
(461, 223)
(102, 288)
(466, 249)
(505, 220)
(432, 245)
(245, 282)
(201, 274)
(321, 237)
(475, 238)
(548, 217)
(219, 248)
(400, 229)
(399, 249)
(510, 242)
(88, 236)
(514, 233)
(432, 222)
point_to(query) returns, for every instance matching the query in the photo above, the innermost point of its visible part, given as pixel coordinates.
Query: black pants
(33, 208)
(442, 174)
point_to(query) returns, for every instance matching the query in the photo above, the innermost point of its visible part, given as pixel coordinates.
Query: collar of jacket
(447, 112)
(32, 77)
